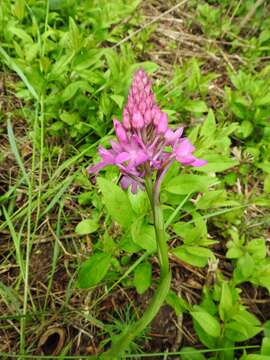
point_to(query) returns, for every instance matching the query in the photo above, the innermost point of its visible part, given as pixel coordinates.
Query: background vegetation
(74, 272)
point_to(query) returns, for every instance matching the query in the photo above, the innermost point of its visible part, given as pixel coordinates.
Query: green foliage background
(66, 67)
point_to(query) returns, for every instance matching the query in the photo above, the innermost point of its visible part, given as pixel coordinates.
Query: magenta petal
(183, 148)
(96, 168)
(199, 162)
(186, 160)
(107, 155)
(173, 136)
(127, 181)
(122, 157)
(117, 148)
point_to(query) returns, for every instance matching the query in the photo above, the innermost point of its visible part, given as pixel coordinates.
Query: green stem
(123, 341)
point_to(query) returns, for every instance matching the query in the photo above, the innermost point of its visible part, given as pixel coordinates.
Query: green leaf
(207, 322)
(225, 305)
(73, 87)
(93, 270)
(256, 357)
(263, 101)
(244, 269)
(189, 353)
(211, 199)
(266, 186)
(243, 326)
(118, 99)
(265, 349)
(257, 248)
(177, 303)
(144, 235)
(217, 163)
(143, 277)
(266, 328)
(193, 255)
(86, 226)
(237, 331)
(70, 118)
(245, 129)
(128, 245)
(187, 183)
(196, 106)
(116, 202)
(209, 126)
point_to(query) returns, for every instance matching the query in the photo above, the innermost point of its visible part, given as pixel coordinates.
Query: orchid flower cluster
(144, 143)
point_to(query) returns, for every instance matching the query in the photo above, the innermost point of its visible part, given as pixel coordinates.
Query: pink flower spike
(120, 132)
(143, 139)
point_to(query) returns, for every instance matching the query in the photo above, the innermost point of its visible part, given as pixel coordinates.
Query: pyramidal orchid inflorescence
(144, 143)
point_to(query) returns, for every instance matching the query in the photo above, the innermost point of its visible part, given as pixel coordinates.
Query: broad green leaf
(19, 9)
(193, 255)
(86, 226)
(211, 199)
(187, 183)
(177, 303)
(266, 328)
(245, 129)
(93, 270)
(217, 163)
(209, 126)
(263, 101)
(196, 106)
(256, 357)
(266, 186)
(70, 118)
(238, 331)
(244, 326)
(189, 353)
(225, 305)
(265, 349)
(257, 248)
(207, 322)
(143, 277)
(144, 236)
(244, 269)
(118, 99)
(116, 202)
(128, 245)
(75, 86)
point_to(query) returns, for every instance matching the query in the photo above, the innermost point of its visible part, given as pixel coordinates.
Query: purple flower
(143, 139)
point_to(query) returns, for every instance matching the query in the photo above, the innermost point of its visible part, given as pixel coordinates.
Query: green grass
(65, 68)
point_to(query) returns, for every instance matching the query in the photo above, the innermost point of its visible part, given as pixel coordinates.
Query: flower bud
(137, 120)
(147, 117)
(142, 107)
(162, 125)
(120, 132)
(126, 119)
